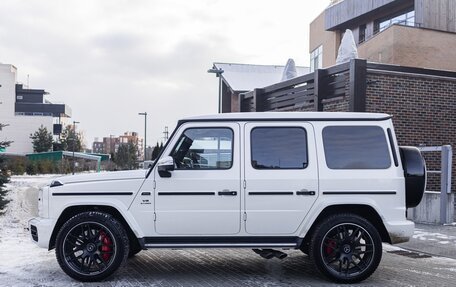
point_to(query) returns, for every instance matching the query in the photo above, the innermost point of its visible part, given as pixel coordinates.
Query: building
(133, 137)
(25, 110)
(241, 78)
(110, 145)
(98, 147)
(415, 33)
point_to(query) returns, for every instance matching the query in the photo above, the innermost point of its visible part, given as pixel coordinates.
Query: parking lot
(229, 267)
(24, 264)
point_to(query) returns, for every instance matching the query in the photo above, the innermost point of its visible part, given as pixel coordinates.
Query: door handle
(227, 192)
(305, 192)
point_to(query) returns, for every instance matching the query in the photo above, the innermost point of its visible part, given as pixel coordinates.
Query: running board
(222, 242)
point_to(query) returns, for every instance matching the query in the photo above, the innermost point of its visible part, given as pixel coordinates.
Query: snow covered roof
(246, 77)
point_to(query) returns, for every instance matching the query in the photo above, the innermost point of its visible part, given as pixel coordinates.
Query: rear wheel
(90, 246)
(346, 248)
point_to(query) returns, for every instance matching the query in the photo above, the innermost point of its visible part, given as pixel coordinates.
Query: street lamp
(145, 132)
(218, 73)
(74, 136)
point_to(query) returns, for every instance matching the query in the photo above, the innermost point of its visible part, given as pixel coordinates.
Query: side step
(222, 242)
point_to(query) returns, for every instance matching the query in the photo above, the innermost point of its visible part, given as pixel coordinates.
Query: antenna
(28, 81)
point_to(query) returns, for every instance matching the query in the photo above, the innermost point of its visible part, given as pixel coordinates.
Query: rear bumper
(400, 231)
(41, 230)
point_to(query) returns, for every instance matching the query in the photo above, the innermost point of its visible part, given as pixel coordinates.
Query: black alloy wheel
(346, 248)
(91, 246)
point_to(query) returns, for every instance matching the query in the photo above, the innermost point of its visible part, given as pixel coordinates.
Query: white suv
(334, 185)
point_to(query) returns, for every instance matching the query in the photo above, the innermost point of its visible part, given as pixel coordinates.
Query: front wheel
(90, 246)
(346, 248)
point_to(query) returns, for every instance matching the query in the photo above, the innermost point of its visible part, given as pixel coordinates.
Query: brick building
(97, 146)
(111, 144)
(421, 101)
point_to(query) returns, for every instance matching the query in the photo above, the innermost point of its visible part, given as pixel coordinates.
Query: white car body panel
(279, 213)
(150, 215)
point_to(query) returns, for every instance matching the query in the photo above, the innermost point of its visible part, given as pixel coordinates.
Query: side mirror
(165, 165)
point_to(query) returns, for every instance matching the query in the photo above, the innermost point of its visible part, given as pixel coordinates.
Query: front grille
(34, 232)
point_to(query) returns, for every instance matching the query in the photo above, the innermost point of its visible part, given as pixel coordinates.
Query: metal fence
(437, 206)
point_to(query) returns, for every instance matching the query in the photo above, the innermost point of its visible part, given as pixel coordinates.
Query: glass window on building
(407, 19)
(316, 59)
(362, 34)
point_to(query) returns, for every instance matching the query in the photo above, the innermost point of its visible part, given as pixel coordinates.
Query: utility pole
(166, 134)
(145, 132)
(74, 137)
(218, 73)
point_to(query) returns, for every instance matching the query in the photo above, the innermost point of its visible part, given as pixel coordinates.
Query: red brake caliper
(106, 245)
(330, 247)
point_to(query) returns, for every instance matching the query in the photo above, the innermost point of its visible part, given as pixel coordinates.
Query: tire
(346, 248)
(415, 175)
(95, 244)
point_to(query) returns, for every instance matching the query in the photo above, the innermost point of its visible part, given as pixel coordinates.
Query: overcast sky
(110, 59)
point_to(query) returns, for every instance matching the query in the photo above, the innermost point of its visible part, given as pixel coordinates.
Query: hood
(102, 176)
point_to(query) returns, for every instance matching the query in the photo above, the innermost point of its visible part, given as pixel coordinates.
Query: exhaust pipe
(265, 253)
(270, 253)
(279, 254)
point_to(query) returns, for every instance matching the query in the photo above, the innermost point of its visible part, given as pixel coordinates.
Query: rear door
(281, 176)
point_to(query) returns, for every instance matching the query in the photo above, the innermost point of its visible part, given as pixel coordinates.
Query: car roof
(309, 116)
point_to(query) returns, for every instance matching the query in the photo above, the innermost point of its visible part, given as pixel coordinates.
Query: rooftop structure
(416, 33)
(240, 78)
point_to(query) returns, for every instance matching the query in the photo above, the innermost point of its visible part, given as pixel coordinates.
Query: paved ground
(227, 267)
(434, 239)
(24, 264)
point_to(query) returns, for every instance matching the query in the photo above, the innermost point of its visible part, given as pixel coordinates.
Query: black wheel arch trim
(71, 211)
(363, 210)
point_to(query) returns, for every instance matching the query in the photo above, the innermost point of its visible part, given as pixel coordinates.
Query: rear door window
(356, 147)
(279, 148)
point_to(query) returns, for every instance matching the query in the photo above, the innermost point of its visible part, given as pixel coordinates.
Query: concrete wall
(20, 127)
(429, 47)
(428, 211)
(410, 46)
(330, 40)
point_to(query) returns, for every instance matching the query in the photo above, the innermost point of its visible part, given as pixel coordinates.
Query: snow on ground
(439, 238)
(18, 254)
(22, 263)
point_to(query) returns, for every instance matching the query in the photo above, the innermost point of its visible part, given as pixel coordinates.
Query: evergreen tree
(4, 176)
(69, 139)
(127, 156)
(42, 140)
(155, 151)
